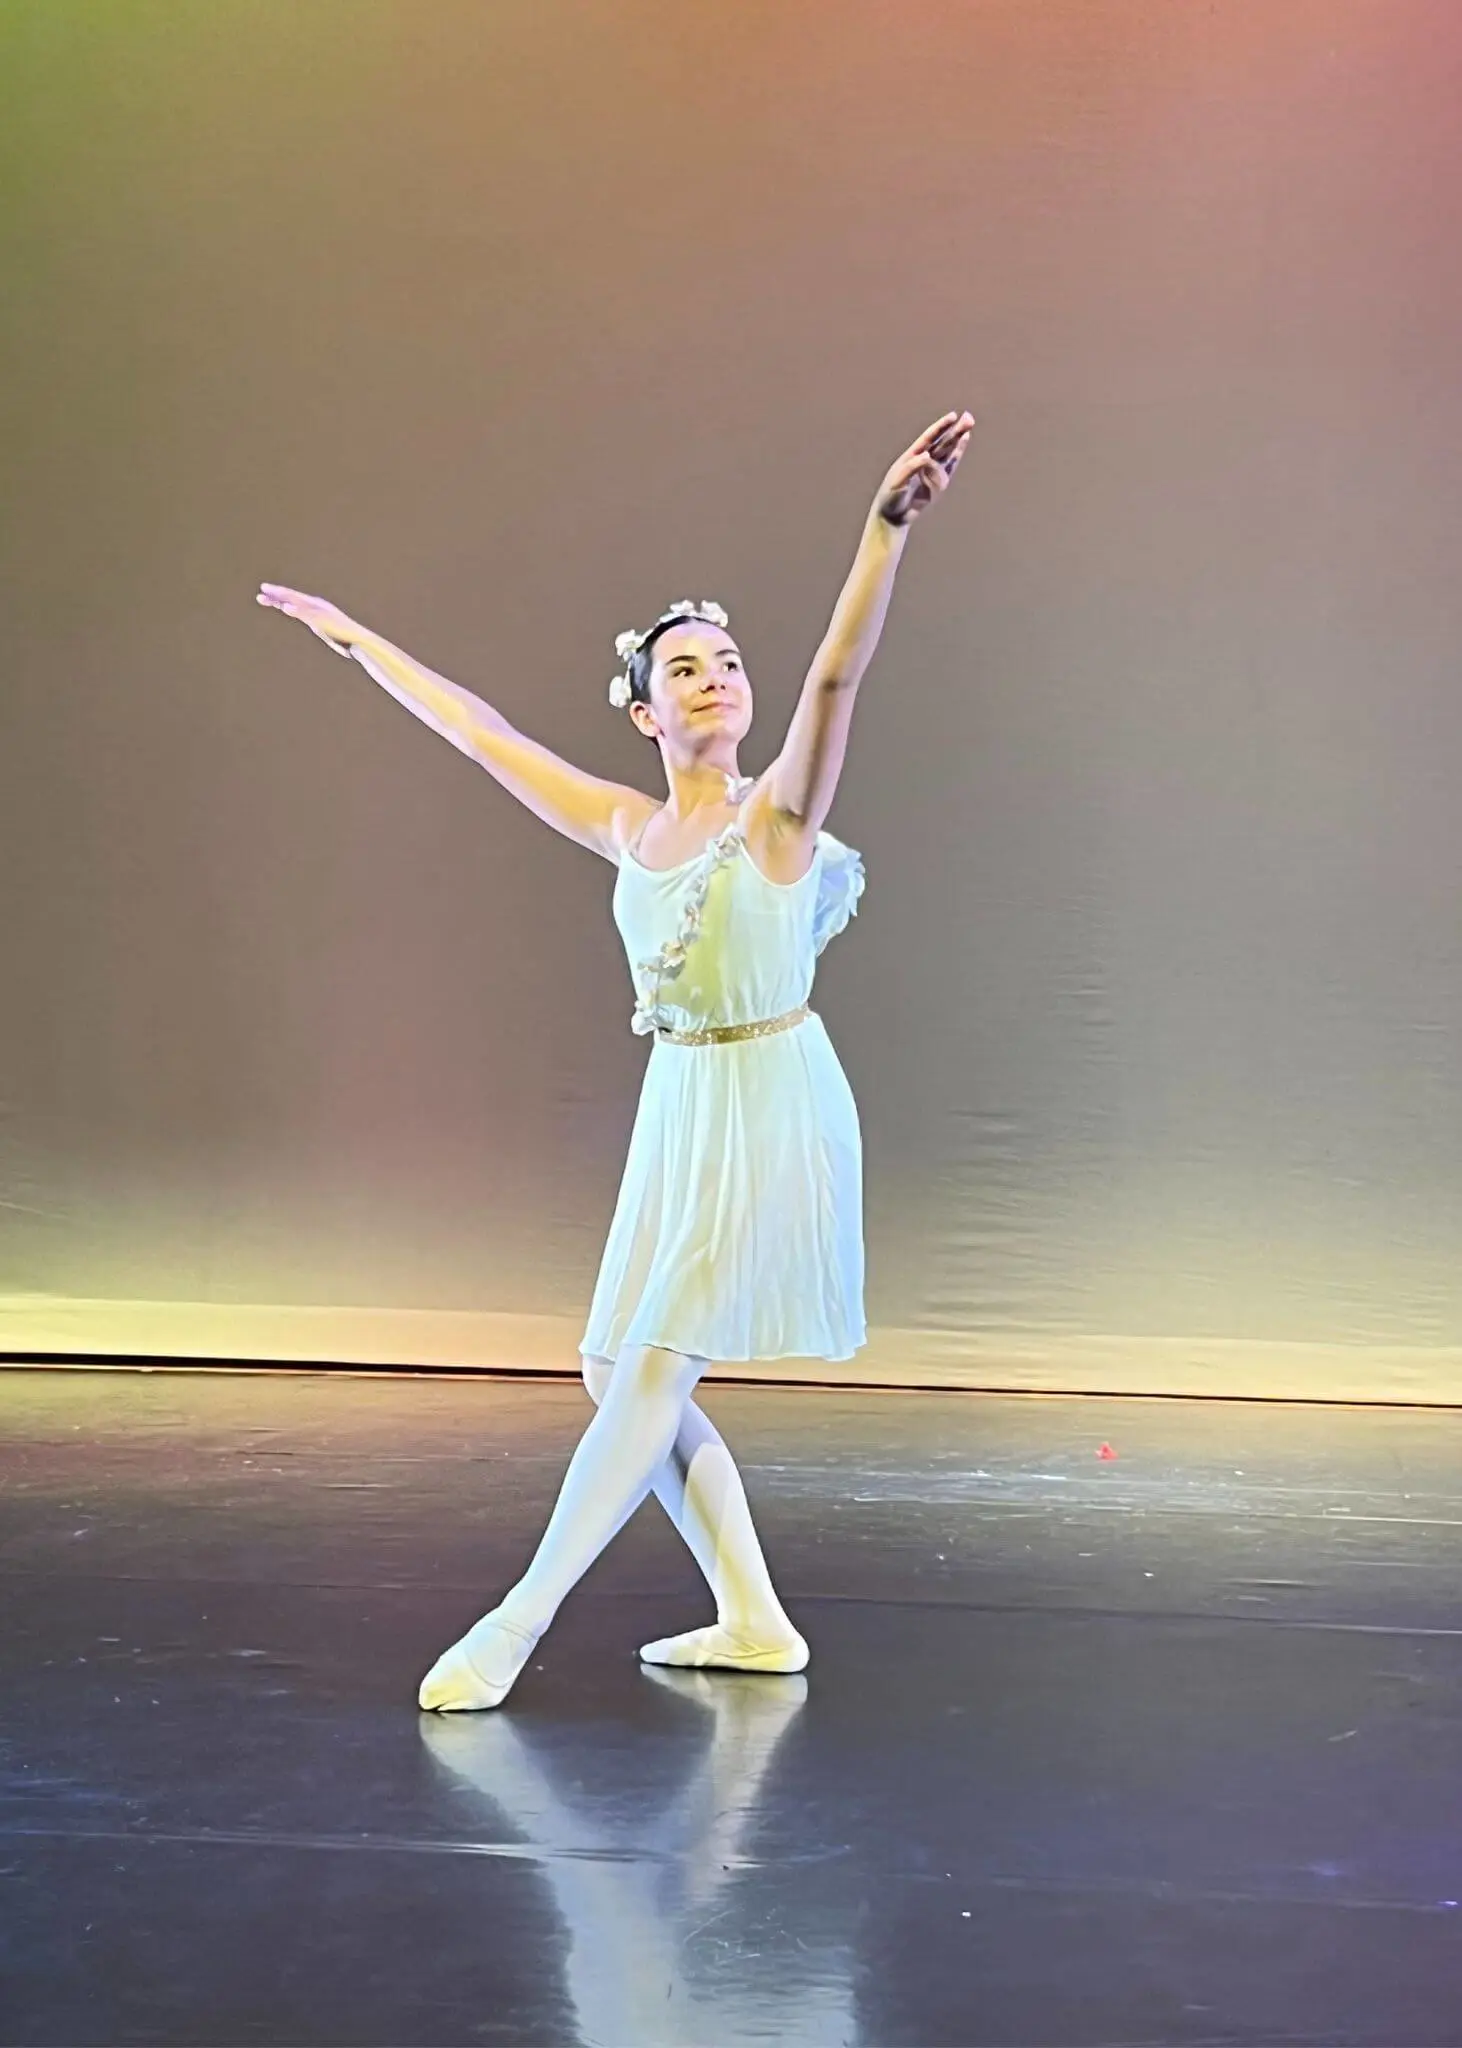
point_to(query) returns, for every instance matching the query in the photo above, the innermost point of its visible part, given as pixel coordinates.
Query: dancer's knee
(597, 1374)
(646, 1374)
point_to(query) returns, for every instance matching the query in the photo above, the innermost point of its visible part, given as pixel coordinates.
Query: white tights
(647, 1435)
(700, 1489)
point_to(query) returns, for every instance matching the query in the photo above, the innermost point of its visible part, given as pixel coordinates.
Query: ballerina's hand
(324, 619)
(923, 471)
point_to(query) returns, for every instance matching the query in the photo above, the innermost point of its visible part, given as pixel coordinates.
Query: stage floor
(1165, 1748)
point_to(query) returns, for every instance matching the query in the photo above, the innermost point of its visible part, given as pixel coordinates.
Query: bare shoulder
(632, 808)
(781, 845)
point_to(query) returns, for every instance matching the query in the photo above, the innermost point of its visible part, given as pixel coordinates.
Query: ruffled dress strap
(839, 885)
(669, 962)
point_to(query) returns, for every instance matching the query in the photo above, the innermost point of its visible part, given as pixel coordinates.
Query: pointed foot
(479, 1671)
(722, 1649)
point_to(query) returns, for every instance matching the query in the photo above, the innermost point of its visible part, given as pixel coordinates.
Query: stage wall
(505, 325)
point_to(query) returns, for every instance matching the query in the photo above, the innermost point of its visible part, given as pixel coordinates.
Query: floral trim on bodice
(839, 887)
(669, 961)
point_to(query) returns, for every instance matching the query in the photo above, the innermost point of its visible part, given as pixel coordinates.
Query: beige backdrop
(503, 322)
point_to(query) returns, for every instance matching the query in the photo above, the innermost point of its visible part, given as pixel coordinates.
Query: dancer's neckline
(738, 789)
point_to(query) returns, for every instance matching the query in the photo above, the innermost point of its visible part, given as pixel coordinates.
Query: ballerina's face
(698, 688)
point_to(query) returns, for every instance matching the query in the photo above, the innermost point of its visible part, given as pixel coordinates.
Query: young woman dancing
(738, 1229)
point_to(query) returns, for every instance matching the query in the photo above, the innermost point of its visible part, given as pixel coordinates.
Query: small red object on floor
(1106, 1451)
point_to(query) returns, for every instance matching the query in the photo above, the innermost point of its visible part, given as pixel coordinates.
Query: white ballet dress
(738, 1230)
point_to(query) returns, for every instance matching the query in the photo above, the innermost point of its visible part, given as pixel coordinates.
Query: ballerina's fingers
(934, 432)
(294, 604)
(913, 470)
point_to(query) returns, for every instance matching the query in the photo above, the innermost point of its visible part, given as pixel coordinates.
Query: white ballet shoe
(479, 1671)
(720, 1649)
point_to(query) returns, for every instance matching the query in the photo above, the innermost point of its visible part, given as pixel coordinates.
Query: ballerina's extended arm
(585, 808)
(804, 778)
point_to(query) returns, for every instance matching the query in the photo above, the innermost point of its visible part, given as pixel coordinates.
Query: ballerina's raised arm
(588, 809)
(804, 778)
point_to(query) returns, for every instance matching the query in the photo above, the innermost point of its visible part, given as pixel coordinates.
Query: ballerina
(737, 1232)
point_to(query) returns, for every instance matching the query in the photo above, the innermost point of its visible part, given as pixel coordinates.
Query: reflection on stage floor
(1158, 1747)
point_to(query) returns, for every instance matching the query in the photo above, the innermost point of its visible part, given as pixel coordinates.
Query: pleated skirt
(738, 1229)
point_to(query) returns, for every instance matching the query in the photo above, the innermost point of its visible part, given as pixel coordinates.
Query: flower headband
(628, 645)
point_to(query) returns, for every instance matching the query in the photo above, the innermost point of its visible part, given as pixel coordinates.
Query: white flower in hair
(687, 608)
(628, 644)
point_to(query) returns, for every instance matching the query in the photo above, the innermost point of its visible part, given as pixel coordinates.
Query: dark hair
(643, 662)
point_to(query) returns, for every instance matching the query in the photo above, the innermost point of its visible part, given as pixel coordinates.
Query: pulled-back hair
(642, 663)
(637, 650)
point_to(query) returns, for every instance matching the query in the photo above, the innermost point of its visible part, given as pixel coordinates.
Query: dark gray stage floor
(1166, 1748)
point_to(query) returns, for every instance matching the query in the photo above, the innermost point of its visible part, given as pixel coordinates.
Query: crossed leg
(700, 1489)
(626, 1451)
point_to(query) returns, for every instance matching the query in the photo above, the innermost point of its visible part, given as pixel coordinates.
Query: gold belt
(724, 1034)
